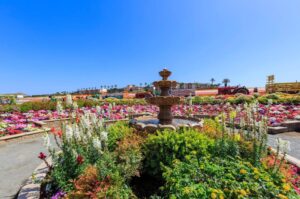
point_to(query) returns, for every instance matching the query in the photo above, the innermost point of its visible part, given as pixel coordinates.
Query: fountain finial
(165, 73)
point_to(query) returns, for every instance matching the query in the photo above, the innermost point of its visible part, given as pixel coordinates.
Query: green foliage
(129, 155)
(66, 169)
(185, 163)
(87, 103)
(129, 102)
(226, 148)
(27, 106)
(272, 96)
(206, 100)
(167, 146)
(117, 132)
(241, 99)
(108, 168)
(221, 178)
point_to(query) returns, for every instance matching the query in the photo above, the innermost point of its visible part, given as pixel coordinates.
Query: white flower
(270, 101)
(201, 123)
(74, 153)
(59, 108)
(76, 132)
(73, 115)
(85, 122)
(69, 133)
(69, 100)
(98, 109)
(47, 142)
(94, 119)
(97, 144)
(75, 105)
(242, 122)
(88, 133)
(283, 145)
(103, 136)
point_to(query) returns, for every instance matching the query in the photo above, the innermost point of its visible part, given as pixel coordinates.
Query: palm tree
(226, 81)
(212, 81)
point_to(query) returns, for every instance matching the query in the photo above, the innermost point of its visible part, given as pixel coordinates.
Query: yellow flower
(237, 137)
(286, 187)
(283, 180)
(232, 114)
(213, 195)
(186, 190)
(243, 171)
(243, 192)
(282, 196)
(256, 171)
(221, 197)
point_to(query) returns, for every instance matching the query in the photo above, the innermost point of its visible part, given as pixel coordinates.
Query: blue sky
(54, 45)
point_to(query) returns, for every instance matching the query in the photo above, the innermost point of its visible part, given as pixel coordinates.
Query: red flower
(56, 132)
(59, 133)
(42, 156)
(53, 130)
(79, 159)
(77, 120)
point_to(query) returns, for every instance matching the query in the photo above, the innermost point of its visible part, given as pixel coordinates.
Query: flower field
(18, 122)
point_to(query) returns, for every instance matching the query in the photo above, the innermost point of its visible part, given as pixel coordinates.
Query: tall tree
(212, 80)
(226, 81)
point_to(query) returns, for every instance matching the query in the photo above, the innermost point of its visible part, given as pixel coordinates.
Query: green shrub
(36, 106)
(116, 133)
(129, 155)
(167, 146)
(206, 100)
(263, 100)
(272, 96)
(241, 99)
(221, 178)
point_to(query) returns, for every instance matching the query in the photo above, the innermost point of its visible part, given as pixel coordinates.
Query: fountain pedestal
(164, 101)
(165, 115)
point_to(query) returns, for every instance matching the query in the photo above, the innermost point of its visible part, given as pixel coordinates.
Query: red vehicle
(231, 90)
(143, 95)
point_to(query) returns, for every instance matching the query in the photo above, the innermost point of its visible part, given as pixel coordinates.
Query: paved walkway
(18, 159)
(293, 137)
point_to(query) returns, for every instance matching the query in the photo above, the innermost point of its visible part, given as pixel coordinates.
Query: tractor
(231, 90)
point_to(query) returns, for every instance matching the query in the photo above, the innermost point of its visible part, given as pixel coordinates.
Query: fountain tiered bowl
(164, 119)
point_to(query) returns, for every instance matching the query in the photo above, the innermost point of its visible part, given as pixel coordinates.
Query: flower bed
(18, 122)
(119, 162)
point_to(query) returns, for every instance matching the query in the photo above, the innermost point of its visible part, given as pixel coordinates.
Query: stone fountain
(165, 101)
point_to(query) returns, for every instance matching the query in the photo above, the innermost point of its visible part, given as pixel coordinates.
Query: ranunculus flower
(79, 159)
(42, 156)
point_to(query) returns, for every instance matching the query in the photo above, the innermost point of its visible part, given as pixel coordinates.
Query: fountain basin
(165, 84)
(151, 124)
